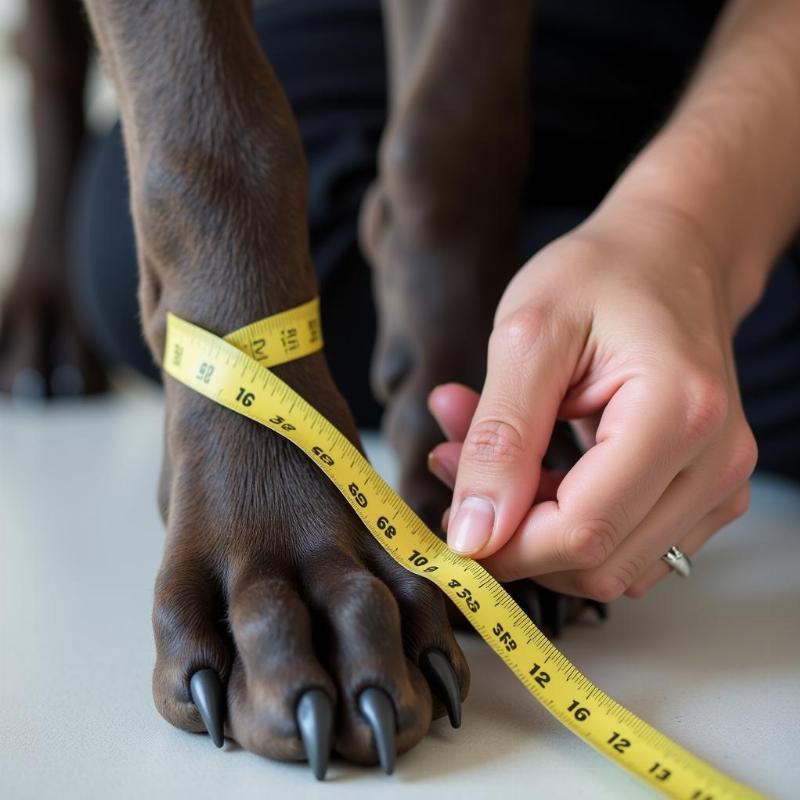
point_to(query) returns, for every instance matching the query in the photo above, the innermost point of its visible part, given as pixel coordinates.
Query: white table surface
(713, 662)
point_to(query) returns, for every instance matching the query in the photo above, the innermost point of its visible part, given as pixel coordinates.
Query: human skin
(624, 327)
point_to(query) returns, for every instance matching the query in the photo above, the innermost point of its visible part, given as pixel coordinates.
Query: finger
(443, 463)
(548, 487)
(695, 492)
(531, 361)
(453, 406)
(729, 511)
(670, 523)
(641, 447)
(686, 501)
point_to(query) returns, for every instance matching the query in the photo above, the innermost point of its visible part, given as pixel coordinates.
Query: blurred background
(16, 144)
(70, 311)
(16, 152)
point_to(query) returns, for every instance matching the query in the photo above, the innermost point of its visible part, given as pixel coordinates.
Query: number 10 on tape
(226, 373)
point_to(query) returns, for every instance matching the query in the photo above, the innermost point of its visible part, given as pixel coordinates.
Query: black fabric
(604, 75)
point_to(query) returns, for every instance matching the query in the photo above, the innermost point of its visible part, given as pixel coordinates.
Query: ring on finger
(678, 562)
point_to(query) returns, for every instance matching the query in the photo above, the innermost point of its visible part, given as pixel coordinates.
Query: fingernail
(440, 470)
(472, 525)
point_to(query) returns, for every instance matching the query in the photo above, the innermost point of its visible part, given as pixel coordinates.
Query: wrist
(193, 225)
(701, 218)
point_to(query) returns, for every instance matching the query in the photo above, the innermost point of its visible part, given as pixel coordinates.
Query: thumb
(530, 363)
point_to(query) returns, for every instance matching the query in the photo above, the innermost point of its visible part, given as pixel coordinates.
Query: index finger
(641, 447)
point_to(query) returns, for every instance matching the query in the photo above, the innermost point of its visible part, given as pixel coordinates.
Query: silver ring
(678, 562)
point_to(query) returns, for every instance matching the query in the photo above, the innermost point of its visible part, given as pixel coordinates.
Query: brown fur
(267, 576)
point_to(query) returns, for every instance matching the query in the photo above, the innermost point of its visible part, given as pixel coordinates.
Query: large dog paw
(43, 349)
(271, 582)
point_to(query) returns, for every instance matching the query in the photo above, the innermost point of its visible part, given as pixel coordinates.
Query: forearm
(181, 70)
(726, 166)
(216, 165)
(55, 44)
(459, 116)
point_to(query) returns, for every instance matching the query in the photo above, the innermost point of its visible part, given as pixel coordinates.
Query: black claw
(376, 707)
(534, 607)
(554, 611)
(526, 593)
(315, 723)
(442, 679)
(206, 690)
(601, 609)
(562, 611)
(66, 380)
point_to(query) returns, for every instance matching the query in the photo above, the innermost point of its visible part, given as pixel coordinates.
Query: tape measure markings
(230, 376)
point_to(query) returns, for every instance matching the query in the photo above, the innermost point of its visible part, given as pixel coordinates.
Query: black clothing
(604, 76)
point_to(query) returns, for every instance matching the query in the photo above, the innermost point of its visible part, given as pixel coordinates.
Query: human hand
(622, 327)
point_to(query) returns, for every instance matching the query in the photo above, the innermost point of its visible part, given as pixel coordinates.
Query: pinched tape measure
(234, 373)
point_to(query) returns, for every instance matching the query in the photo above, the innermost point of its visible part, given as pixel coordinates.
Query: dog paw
(270, 582)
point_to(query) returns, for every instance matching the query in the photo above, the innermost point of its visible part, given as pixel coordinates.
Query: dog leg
(43, 350)
(440, 224)
(268, 578)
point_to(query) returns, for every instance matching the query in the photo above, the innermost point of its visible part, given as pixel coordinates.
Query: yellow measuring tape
(231, 372)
